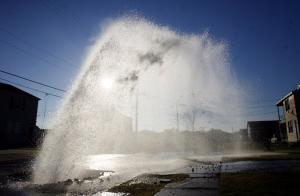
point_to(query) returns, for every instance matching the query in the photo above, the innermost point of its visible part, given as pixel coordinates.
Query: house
(290, 105)
(263, 131)
(18, 116)
(243, 134)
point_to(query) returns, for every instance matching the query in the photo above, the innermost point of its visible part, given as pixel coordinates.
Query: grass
(146, 189)
(263, 184)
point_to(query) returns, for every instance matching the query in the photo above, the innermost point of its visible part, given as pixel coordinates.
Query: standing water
(135, 61)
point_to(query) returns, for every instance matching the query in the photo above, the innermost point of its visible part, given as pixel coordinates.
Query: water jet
(96, 115)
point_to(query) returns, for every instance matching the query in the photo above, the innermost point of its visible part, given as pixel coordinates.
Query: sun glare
(107, 83)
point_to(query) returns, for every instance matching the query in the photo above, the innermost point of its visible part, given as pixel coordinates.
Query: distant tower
(136, 111)
(177, 117)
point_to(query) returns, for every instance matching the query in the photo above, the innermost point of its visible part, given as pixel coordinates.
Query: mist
(138, 71)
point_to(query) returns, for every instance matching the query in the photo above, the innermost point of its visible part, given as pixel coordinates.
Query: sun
(107, 83)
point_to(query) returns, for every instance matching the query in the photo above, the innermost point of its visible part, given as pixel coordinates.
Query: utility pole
(279, 121)
(136, 110)
(45, 108)
(177, 113)
(194, 112)
(177, 117)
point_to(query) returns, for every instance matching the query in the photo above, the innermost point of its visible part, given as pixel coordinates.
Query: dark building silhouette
(290, 105)
(18, 112)
(263, 131)
(244, 134)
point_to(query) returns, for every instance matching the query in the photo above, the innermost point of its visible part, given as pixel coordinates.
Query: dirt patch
(147, 185)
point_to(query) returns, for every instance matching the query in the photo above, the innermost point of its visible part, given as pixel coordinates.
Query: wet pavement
(203, 180)
(252, 166)
(187, 192)
(204, 176)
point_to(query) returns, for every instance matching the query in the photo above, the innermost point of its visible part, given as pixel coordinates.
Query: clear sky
(46, 40)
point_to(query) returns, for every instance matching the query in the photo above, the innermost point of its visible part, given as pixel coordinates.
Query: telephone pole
(45, 108)
(136, 110)
(177, 117)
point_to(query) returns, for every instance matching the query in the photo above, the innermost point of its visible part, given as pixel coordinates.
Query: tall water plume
(168, 72)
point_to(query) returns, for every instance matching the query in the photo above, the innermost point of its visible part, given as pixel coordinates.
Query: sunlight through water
(140, 69)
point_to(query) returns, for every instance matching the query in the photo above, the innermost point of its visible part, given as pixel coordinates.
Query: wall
(262, 131)
(290, 113)
(18, 117)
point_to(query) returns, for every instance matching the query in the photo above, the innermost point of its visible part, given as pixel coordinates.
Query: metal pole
(136, 110)
(45, 108)
(279, 129)
(177, 117)
(278, 113)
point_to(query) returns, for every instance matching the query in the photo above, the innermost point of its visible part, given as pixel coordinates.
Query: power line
(30, 80)
(33, 55)
(260, 108)
(34, 89)
(61, 10)
(35, 47)
(259, 114)
(263, 100)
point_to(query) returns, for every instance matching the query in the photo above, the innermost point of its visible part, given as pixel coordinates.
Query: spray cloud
(136, 58)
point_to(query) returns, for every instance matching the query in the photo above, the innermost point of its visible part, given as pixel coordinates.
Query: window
(287, 104)
(290, 126)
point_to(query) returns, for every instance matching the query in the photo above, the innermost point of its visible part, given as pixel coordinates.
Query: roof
(280, 102)
(262, 123)
(15, 89)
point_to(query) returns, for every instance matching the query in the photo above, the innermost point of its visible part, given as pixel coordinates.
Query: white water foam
(136, 58)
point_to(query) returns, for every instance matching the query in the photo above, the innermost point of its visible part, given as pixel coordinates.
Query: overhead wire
(36, 47)
(34, 89)
(33, 55)
(60, 10)
(33, 81)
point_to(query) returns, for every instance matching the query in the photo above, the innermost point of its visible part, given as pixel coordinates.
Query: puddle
(202, 174)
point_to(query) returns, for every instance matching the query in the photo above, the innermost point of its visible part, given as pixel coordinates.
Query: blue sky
(46, 40)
